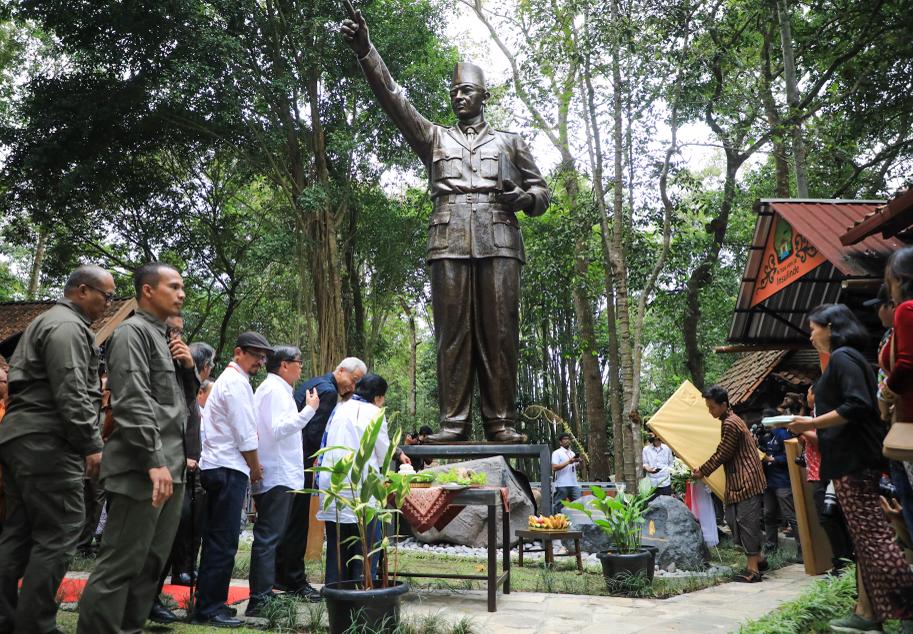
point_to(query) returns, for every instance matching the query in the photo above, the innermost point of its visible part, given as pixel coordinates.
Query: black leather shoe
(228, 610)
(160, 614)
(219, 620)
(182, 579)
(307, 592)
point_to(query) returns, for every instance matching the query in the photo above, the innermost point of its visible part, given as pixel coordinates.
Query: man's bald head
(91, 288)
(87, 275)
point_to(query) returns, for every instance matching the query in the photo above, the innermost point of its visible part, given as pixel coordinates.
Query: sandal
(747, 577)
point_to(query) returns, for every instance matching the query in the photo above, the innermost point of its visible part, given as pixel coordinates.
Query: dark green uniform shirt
(54, 386)
(150, 394)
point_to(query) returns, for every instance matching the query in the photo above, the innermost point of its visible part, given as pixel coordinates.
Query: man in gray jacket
(49, 440)
(152, 380)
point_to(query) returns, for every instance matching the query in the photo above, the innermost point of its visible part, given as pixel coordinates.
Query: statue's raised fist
(354, 30)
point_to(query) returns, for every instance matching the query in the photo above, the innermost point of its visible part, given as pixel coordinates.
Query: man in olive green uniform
(479, 178)
(49, 440)
(152, 380)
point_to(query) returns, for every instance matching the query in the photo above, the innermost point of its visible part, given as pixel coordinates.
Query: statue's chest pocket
(446, 164)
(489, 161)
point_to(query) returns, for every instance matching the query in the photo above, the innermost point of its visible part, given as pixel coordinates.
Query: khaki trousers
(134, 547)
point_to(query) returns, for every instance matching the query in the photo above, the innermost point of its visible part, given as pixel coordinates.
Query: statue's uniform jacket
(475, 252)
(463, 176)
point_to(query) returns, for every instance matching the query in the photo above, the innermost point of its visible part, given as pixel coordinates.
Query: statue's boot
(451, 431)
(503, 431)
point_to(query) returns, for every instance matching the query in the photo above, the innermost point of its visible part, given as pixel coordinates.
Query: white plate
(777, 421)
(453, 486)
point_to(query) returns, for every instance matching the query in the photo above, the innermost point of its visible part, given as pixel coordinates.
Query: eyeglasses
(253, 352)
(109, 297)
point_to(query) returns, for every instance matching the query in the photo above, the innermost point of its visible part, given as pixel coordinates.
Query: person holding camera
(564, 469)
(778, 496)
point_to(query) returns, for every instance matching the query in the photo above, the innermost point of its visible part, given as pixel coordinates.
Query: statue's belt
(471, 198)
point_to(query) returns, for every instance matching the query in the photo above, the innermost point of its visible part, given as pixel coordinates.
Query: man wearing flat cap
(228, 461)
(479, 178)
(153, 381)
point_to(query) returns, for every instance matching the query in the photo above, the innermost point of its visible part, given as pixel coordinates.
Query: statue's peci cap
(466, 73)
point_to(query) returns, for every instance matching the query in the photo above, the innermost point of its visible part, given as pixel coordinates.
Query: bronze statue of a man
(479, 179)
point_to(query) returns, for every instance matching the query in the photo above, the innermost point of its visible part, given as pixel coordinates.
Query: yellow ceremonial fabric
(692, 434)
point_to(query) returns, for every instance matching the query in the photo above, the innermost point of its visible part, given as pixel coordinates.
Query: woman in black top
(850, 435)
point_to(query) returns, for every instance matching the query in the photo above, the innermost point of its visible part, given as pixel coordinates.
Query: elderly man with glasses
(279, 425)
(229, 460)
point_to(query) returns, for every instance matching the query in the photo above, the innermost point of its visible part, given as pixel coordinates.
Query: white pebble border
(590, 561)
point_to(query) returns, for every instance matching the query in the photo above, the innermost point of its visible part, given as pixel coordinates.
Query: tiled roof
(779, 319)
(16, 316)
(746, 374)
(890, 219)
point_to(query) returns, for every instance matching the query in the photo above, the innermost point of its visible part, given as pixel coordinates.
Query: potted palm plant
(622, 519)
(372, 494)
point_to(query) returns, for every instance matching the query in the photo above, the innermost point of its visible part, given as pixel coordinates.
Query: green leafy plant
(465, 477)
(621, 517)
(367, 491)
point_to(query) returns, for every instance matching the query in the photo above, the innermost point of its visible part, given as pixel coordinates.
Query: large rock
(669, 526)
(469, 527)
(672, 528)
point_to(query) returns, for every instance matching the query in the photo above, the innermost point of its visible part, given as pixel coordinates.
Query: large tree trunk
(413, 356)
(781, 165)
(589, 361)
(703, 275)
(355, 306)
(37, 262)
(323, 254)
(792, 97)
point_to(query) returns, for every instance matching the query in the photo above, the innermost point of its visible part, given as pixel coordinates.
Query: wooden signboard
(816, 549)
(788, 255)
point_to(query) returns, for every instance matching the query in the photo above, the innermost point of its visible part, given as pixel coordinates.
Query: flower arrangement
(681, 476)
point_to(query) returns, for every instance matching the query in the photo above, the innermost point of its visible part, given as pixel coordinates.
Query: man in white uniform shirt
(657, 461)
(279, 425)
(564, 468)
(229, 459)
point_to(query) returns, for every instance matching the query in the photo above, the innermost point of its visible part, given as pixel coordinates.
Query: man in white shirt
(564, 468)
(229, 459)
(657, 461)
(279, 425)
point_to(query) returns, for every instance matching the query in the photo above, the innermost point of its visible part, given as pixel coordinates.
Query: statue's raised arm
(416, 128)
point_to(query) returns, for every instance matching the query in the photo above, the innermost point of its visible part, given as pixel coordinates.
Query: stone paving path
(718, 609)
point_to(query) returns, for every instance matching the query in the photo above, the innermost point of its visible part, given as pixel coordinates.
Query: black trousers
(290, 572)
(187, 540)
(834, 525)
(225, 492)
(477, 324)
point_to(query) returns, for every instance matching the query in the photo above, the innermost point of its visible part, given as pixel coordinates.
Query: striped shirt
(739, 457)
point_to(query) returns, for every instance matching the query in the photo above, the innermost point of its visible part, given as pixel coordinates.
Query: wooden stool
(547, 537)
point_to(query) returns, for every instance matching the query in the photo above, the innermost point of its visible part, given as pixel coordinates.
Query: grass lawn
(829, 598)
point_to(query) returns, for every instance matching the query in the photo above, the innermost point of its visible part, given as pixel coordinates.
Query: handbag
(898, 443)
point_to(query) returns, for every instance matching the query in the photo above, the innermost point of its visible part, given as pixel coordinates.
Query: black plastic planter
(375, 611)
(618, 567)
